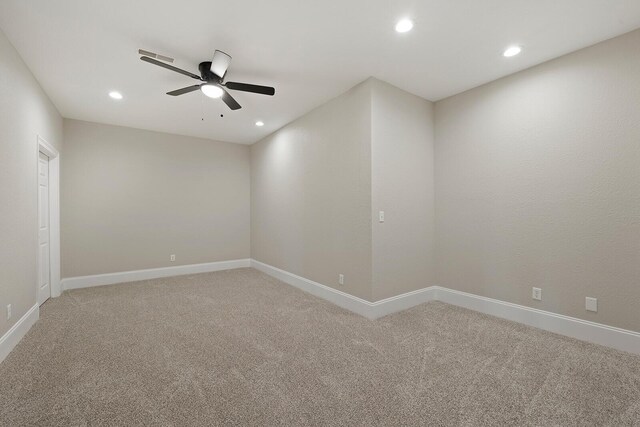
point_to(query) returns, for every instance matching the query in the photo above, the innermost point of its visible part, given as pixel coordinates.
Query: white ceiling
(310, 50)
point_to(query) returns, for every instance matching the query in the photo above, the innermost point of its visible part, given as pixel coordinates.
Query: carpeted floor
(240, 348)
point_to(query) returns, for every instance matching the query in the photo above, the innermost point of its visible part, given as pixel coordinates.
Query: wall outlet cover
(591, 304)
(536, 294)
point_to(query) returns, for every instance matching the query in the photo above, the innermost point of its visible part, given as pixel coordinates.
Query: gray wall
(538, 184)
(319, 182)
(130, 198)
(402, 187)
(310, 194)
(25, 113)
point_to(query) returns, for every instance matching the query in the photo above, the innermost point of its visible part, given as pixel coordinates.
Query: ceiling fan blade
(220, 63)
(231, 103)
(263, 90)
(183, 90)
(155, 55)
(169, 67)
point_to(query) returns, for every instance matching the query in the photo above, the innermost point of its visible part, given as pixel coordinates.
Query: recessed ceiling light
(404, 25)
(512, 51)
(115, 95)
(259, 123)
(212, 91)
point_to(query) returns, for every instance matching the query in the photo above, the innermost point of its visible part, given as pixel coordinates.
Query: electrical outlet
(536, 294)
(591, 304)
(173, 257)
(8, 311)
(341, 279)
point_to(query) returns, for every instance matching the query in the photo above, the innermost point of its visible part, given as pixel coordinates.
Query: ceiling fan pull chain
(202, 107)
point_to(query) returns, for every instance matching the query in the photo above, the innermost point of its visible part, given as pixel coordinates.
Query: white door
(44, 282)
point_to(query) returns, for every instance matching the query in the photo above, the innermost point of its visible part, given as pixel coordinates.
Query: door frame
(54, 214)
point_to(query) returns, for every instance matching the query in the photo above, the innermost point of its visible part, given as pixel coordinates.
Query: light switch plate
(381, 216)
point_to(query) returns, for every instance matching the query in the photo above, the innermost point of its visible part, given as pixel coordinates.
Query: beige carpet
(240, 348)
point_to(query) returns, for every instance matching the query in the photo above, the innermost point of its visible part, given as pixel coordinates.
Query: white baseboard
(17, 331)
(597, 333)
(370, 310)
(69, 283)
(401, 302)
(339, 298)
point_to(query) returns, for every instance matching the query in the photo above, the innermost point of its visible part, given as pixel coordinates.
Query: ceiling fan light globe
(211, 90)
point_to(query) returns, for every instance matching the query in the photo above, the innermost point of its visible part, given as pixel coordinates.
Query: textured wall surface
(311, 194)
(401, 186)
(130, 198)
(538, 184)
(25, 113)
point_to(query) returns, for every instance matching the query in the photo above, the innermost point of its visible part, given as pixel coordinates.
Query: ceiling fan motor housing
(207, 74)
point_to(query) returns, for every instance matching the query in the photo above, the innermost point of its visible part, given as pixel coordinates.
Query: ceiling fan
(212, 74)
